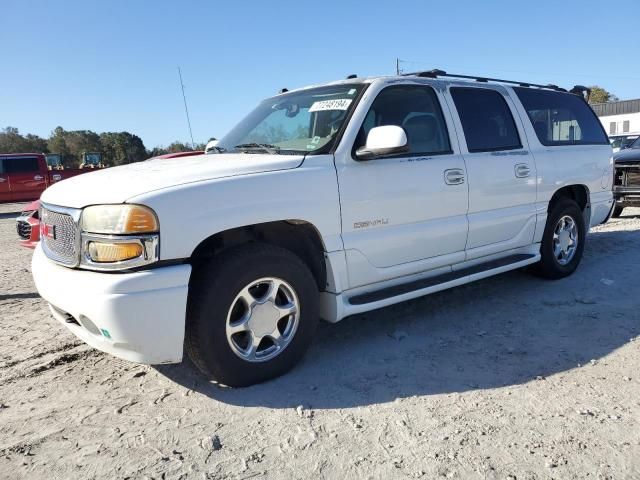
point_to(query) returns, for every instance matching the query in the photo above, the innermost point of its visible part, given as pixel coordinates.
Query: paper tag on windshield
(337, 104)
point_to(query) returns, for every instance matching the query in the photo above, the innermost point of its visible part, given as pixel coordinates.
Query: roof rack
(435, 73)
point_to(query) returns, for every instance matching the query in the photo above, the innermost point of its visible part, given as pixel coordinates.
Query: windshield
(299, 122)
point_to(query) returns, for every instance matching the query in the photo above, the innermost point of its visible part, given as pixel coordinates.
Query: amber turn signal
(103, 252)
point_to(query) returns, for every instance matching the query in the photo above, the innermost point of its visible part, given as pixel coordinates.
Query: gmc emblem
(48, 231)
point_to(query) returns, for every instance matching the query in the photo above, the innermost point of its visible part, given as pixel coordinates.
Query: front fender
(190, 213)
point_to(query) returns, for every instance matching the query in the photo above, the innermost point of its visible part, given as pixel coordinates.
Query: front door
(404, 214)
(27, 182)
(501, 171)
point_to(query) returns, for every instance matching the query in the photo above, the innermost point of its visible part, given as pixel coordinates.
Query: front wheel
(251, 315)
(562, 241)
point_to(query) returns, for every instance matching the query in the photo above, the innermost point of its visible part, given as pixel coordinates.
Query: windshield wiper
(267, 147)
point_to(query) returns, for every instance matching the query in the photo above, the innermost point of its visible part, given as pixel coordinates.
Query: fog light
(101, 252)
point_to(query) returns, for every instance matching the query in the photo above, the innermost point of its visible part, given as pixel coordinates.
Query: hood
(627, 155)
(117, 184)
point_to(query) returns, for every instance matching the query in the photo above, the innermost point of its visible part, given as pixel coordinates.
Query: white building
(619, 118)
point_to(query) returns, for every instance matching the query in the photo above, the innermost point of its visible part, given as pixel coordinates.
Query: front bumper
(137, 316)
(627, 196)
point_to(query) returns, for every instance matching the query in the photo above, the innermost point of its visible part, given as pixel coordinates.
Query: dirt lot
(511, 377)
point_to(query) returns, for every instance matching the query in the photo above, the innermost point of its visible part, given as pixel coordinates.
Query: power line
(186, 110)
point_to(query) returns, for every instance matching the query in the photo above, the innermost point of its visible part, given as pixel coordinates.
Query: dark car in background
(620, 142)
(626, 184)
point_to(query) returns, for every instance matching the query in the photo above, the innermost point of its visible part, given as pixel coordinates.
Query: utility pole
(397, 66)
(186, 110)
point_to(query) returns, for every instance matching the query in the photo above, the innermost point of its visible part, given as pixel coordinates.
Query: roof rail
(435, 73)
(584, 92)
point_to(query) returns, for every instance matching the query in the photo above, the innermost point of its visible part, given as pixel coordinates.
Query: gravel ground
(510, 377)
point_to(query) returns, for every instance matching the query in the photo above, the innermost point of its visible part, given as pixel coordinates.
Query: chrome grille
(24, 229)
(61, 245)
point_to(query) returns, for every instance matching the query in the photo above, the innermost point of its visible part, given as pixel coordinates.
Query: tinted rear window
(21, 165)
(561, 118)
(486, 120)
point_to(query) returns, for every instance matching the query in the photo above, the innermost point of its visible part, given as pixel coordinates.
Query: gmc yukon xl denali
(324, 202)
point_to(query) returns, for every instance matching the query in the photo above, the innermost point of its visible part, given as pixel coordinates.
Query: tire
(617, 211)
(550, 265)
(219, 300)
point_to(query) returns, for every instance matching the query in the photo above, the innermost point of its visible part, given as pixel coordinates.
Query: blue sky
(112, 65)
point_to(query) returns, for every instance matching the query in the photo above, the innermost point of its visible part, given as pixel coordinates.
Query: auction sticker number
(337, 104)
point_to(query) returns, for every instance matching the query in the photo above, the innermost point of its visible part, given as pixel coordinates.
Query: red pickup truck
(24, 176)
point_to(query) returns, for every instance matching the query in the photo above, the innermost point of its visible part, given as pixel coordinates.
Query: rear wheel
(617, 211)
(562, 241)
(252, 314)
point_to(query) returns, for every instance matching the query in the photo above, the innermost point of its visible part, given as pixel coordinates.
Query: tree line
(117, 148)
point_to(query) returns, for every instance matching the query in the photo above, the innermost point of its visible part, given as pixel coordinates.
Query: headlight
(119, 219)
(119, 237)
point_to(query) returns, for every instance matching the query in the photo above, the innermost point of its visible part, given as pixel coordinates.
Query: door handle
(38, 177)
(454, 176)
(522, 170)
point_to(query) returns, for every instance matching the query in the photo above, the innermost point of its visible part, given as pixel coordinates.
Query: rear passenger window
(21, 165)
(414, 108)
(561, 118)
(486, 120)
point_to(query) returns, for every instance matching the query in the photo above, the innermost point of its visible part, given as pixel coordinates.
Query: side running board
(397, 290)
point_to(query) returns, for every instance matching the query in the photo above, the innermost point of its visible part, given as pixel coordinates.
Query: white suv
(323, 202)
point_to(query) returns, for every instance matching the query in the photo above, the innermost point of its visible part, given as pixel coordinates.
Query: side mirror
(385, 140)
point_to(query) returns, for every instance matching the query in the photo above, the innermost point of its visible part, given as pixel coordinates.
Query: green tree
(12, 142)
(176, 147)
(80, 141)
(120, 148)
(57, 144)
(600, 95)
(36, 143)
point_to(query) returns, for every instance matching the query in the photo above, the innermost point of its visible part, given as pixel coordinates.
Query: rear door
(5, 192)
(501, 171)
(26, 180)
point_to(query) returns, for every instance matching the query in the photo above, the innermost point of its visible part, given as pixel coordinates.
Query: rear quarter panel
(561, 166)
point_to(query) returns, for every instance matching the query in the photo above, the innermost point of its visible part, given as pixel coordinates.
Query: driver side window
(416, 109)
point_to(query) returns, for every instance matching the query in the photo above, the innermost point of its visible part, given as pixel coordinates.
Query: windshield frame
(635, 144)
(332, 144)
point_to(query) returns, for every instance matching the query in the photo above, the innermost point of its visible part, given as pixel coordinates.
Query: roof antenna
(186, 110)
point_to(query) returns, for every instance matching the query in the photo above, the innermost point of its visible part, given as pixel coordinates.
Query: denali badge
(371, 223)
(48, 231)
